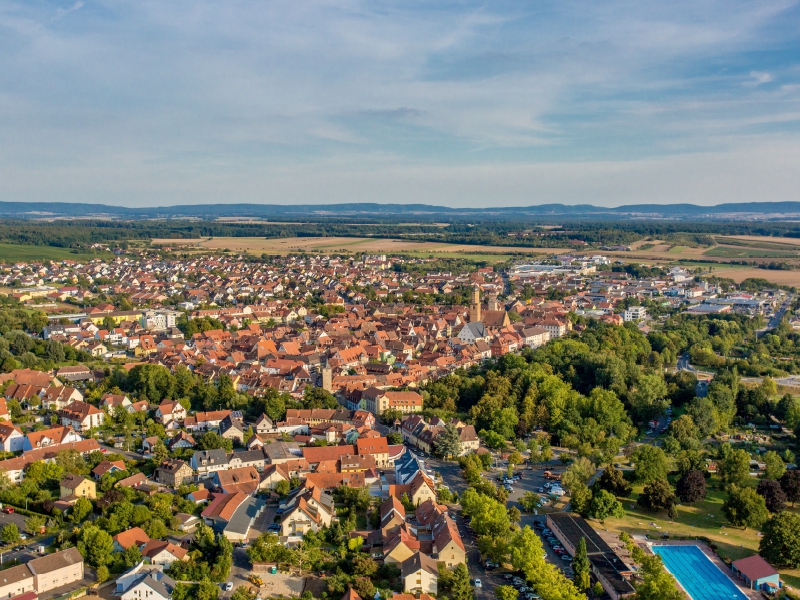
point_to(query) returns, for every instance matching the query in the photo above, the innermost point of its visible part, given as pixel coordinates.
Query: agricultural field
(346, 244)
(10, 253)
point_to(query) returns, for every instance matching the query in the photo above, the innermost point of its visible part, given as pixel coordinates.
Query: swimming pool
(697, 574)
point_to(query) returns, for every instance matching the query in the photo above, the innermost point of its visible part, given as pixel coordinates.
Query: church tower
(475, 307)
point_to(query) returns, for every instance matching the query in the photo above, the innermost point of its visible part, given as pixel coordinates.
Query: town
(342, 426)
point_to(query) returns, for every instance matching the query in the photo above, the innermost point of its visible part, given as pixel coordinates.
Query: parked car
(478, 583)
(566, 558)
(8, 510)
(229, 586)
(274, 527)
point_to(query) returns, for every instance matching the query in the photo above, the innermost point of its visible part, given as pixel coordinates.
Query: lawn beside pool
(703, 519)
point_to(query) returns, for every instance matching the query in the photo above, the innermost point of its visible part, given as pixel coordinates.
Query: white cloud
(143, 100)
(758, 78)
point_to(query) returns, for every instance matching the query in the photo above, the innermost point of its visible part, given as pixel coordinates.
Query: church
(480, 319)
(494, 315)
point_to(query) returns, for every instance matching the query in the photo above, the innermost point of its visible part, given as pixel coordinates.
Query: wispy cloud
(62, 12)
(757, 78)
(142, 99)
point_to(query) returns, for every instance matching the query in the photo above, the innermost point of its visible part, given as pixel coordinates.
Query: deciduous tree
(650, 463)
(691, 487)
(780, 544)
(744, 507)
(605, 505)
(657, 495)
(774, 496)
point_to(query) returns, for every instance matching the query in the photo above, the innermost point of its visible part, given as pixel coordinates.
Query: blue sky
(153, 102)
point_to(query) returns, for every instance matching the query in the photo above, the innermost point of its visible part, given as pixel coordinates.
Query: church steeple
(475, 306)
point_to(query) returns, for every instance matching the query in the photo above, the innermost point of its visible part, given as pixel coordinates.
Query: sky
(457, 103)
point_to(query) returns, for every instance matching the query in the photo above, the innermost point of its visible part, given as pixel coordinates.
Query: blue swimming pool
(697, 574)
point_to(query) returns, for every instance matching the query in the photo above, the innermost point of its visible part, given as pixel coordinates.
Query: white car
(478, 583)
(229, 586)
(557, 493)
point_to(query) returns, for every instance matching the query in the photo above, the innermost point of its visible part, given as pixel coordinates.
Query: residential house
(163, 553)
(173, 473)
(208, 461)
(420, 574)
(75, 486)
(11, 438)
(82, 416)
(56, 570)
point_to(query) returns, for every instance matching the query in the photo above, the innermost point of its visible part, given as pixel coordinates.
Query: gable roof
(135, 536)
(754, 567)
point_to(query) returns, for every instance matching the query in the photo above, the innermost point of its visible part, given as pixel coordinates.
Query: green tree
(578, 472)
(282, 488)
(650, 463)
(745, 508)
(605, 505)
(448, 443)
(103, 574)
(780, 544)
(581, 499)
(734, 466)
(95, 545)
(461, 589)
(529, 501)
(528, 556)
(505, 592)
(648, 398)
(775, 465)
(207, 591)
(211, 440)
(656, 583)
(80, 510)
(613, 480)
(9, 533)
(656, 495)
(243, 593)
(581, 567)
(684, 430)
(132, 556)
(34, 524)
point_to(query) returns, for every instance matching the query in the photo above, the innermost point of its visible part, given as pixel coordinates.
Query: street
(531, 482)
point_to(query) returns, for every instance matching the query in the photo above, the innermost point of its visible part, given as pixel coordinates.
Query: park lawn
(10, 253)
(696, 520)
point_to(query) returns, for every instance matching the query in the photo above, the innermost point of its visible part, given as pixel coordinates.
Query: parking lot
(531, 481)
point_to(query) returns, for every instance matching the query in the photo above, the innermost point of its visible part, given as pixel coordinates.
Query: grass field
(10, 253)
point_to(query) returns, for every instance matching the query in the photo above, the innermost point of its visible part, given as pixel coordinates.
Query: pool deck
(752, 594)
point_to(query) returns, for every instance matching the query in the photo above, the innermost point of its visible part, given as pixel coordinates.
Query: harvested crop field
(342, 244)
(791, 278)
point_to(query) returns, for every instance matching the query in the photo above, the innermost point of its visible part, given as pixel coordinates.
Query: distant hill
(423, 212)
